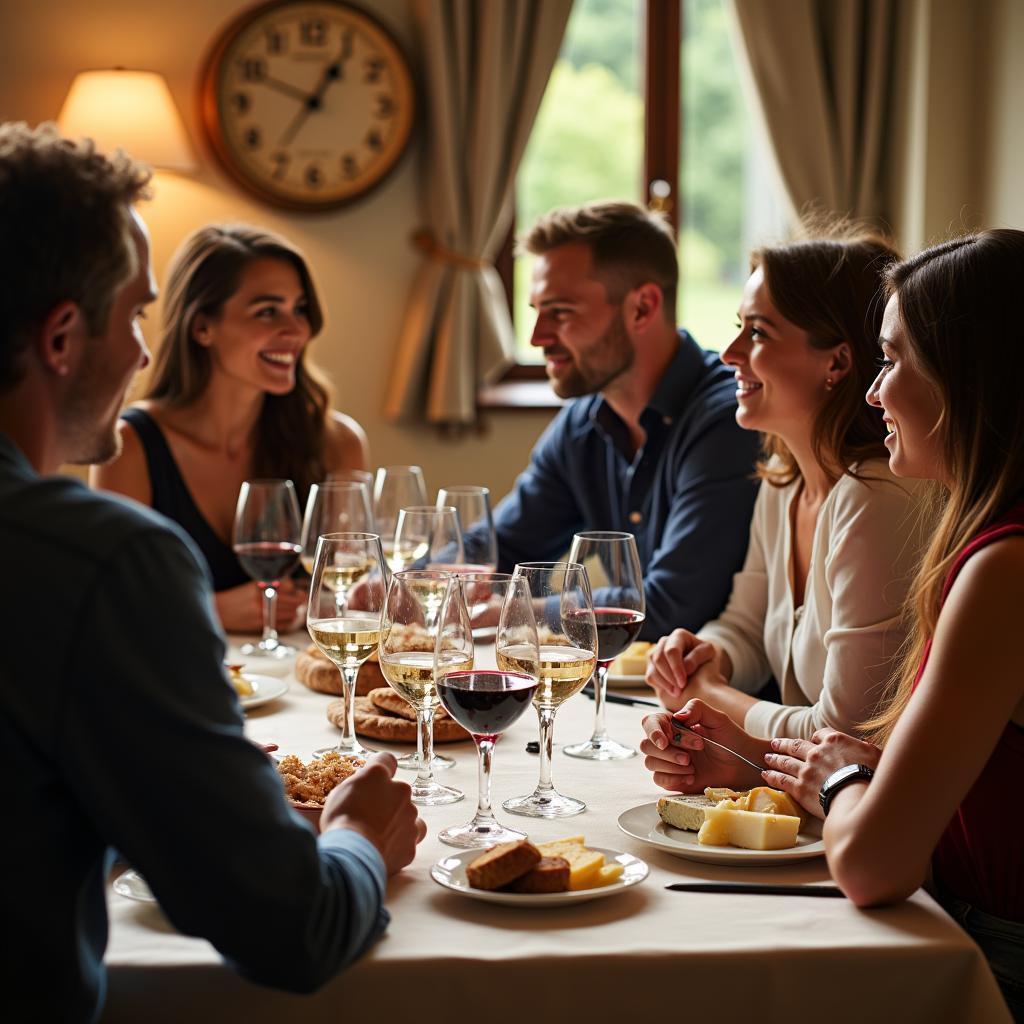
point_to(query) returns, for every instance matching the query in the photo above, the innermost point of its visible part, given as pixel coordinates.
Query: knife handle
(758, 889)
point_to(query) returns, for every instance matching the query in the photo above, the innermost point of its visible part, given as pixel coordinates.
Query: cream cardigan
(832, 655)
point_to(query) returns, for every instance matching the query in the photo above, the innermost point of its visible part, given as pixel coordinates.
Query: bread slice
(497, 867)
(685, 811)
(551, 874)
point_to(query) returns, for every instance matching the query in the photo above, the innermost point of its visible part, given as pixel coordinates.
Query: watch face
(307, 104)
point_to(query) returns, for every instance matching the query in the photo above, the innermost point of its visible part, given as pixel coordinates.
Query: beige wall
(1004, 153)
(360, 255)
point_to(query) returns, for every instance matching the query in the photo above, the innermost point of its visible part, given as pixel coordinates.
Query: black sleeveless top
(171, 498)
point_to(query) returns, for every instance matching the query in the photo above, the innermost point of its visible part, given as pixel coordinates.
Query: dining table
(641, 951)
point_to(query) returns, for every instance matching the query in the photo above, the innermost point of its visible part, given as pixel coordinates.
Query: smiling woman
(232, 397)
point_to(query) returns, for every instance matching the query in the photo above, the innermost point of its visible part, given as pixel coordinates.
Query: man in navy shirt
(118, 725)
(650, 444)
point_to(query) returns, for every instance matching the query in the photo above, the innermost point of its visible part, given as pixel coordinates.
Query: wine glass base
(262, 650)
(432, 794)
(440, 763)
(477, 834)
(603, 749)
(133, 886)
(353, 749)
(545, 805)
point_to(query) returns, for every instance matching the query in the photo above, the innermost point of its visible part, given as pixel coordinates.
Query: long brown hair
(958, 308)
(204, 273)
(831, 287)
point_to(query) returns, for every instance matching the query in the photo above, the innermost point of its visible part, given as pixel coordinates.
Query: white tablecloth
(644, 952)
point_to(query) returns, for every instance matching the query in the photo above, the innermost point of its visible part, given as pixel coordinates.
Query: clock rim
(209, 119)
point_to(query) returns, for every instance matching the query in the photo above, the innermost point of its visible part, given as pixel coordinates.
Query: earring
(828, 383)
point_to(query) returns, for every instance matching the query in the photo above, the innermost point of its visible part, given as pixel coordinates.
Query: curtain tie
(426, 242)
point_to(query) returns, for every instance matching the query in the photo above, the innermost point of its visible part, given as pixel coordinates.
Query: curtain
(825, 73)
(487, 65)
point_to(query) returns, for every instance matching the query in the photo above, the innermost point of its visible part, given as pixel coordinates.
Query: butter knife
(758, 888)
(721, 746)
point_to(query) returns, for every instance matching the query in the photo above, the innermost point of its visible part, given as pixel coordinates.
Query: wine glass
(567, 637)
(479, 539)
(618, 615)
(394, 488)
(336, 506)
(486, 703)
(428, 537)
(347, 636)
(419, 641)
(266, 540)
(353, 476)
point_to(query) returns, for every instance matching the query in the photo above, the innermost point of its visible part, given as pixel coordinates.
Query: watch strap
(839, 778)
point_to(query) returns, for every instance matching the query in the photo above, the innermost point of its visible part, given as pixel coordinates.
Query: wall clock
(307, 103)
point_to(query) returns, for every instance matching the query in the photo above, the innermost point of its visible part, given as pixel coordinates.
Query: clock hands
(286, 87)
(314, 101)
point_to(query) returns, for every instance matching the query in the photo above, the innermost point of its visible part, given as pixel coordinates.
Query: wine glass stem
(547, 735)
(600, 700)
(425, 745)
(485, 747)
(347, 743)
(269, 616)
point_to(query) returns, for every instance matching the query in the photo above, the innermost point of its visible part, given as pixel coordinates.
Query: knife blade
(759, 888)
(721, 746)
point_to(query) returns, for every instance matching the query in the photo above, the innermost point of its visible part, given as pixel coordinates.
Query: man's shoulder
(715, 392)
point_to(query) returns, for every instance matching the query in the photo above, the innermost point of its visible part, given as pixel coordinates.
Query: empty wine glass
(428, 537)
(394, 488)
(567, 638)
(266, 540)
(347, 636)
(353, 476)
(418, 642)
(618, 615)
(479, 539)
(336, 506)
(486, 702)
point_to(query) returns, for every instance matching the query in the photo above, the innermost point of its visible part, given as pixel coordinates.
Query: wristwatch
(839, 778)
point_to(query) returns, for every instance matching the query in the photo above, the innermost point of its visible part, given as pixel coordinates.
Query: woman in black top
(232, 397)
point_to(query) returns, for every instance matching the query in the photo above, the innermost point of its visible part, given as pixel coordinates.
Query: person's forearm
(724, 697)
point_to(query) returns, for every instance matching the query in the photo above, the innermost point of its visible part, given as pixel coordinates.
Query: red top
(980, 857)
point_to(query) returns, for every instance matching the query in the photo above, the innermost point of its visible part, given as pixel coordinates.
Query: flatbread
(372, 722)
(317, 672)
(385, 699)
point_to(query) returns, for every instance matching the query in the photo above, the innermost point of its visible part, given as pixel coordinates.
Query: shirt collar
(10, 452)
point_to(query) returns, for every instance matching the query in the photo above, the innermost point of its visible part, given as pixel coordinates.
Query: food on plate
(375, 720)
(316, 671)
(692, 812)
(549, 874)
(242, 685)
(632, 661)
(750, 830)
(562, 865)
(309, 784)
(501, 865)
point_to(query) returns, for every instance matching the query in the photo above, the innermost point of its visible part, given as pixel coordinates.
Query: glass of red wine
(266, 539)
(486, 702)
(618, 614)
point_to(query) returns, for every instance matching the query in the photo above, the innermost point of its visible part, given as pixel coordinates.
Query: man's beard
(91, 438)
(611, 355)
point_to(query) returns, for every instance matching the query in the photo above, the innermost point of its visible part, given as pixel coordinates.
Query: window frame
(661, 34)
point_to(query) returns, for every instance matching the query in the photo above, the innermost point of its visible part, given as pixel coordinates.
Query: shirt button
(635, 517)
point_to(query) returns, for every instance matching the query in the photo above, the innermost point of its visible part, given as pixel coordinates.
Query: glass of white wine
(347, 636)
(395, 488)
(423, 636)
(567, 638)
(336, 506)
(428, 537)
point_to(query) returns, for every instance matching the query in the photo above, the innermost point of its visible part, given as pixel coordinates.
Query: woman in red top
(949, 758)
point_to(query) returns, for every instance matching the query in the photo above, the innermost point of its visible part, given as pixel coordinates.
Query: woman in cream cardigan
(834, 538)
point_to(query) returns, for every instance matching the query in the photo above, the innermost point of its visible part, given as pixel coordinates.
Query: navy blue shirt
(119, 729)
(687, 495)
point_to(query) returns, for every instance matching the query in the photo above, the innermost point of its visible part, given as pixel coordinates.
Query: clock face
(307, 104)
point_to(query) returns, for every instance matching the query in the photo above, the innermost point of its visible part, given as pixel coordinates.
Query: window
(648, 90)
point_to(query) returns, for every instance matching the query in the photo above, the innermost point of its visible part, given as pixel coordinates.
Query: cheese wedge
(685, 811)
(632, 661)
(774, 801)
(750, 830)
(584, 865)
(609, 873)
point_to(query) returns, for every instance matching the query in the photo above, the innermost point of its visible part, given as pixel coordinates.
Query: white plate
(628, 683)
(451, 873)
(265, 689)
(645, 824)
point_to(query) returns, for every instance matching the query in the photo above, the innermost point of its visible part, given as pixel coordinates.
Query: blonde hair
(958, 308)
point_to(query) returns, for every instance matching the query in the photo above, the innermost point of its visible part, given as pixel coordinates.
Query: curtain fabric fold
(825, 77)
(487, 65)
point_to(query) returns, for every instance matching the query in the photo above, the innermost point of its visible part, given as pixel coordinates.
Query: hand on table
(682, 762)
(240, 609)
(799, 767)
(378, 806)
(674, 659)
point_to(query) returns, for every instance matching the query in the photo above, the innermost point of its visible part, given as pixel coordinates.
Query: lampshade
(130, 109)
